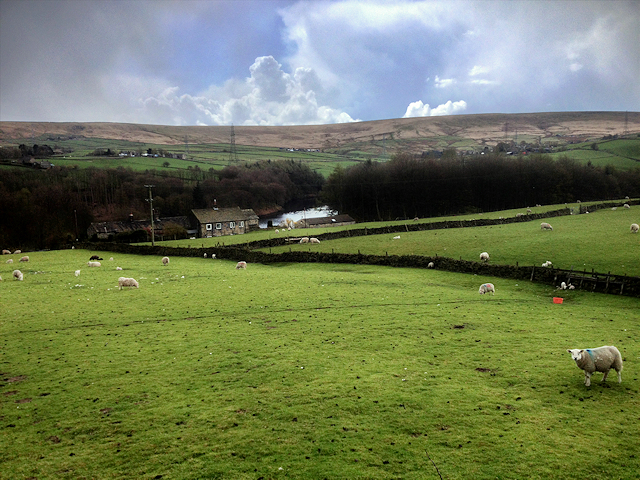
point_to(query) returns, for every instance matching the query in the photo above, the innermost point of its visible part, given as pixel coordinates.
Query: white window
(218, 226)
(232, 224)
(241, 223)
(209, 226)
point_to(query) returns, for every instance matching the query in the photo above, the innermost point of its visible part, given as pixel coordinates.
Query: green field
(314, 371)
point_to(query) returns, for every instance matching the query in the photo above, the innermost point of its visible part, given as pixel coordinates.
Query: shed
(323, 222)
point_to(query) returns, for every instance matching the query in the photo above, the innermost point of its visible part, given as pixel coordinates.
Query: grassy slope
(305, 371)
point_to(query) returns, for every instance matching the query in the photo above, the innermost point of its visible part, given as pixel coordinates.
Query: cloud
(444, 82)
(419, 109)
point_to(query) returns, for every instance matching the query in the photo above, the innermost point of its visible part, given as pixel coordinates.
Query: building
(215, 222)
(162, 226)
(322, 222)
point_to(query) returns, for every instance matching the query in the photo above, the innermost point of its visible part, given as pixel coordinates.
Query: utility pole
(233, 154)
(150, 200)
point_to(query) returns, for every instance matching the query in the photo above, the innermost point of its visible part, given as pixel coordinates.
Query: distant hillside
(413, 134)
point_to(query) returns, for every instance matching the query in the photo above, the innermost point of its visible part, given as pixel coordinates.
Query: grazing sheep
(111, 259)
(601, 359)
(627, 197)
(528, 210)
(430, 265)
(519, 214)
(545, 226)
(614, 208)
(24, 259)
(626, 205)
(397, 237)
(17, 274)
(205, 254)
(17, 252)
(634, 228)
(6, 252)
(213, 255)
(127, 282)
(165, 260)
(10, 260)
(486, 288)
(77, 273)
(314, 240)
(547, 264)
(304, 240)
(118, 269)
(416, 219)
(240, 265)
(95, 257)
(277, 231)
(94, 264)
(484, 256)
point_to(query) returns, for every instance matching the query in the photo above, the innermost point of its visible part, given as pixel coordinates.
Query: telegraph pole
(150, 200)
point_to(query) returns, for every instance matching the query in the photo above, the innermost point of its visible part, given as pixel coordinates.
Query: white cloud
(419, 109)
(444, 82)
(478, 70)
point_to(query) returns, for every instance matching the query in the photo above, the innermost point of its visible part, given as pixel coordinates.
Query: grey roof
(111, 228)
(233, 214)
(344, 218)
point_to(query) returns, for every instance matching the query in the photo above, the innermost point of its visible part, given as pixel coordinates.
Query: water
(323, 211)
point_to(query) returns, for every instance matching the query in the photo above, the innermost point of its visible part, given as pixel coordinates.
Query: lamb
(547, 264)
(240, 265)
(634, 228)
(314, 240)
(94, 264)
(484, 256)
(205, 254)
(430, 265)
(127, 282)
(626, 205)
(111, 259)
(304, 240)
(118, 269)
(6, 252)
(486, 288)
(601, 359)
(165, 261)
(10, 260)
(397, 237)
(277, 231)
(17, 274)
(545, 226)
(77, 273)
(24, 259)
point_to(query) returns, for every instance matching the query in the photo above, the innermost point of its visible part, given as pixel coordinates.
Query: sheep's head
(576, 353)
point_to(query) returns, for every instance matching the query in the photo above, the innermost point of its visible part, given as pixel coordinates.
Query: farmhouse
(320, 222)
(215, 222)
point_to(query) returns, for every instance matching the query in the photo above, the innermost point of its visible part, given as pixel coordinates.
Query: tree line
(408, 186)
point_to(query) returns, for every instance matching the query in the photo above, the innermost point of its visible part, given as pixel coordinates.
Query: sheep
(213, 255)
(430, 265)
(304, 240)
(626, 205)
(277, 231)
(17, 274)
(545, 226)
(77, 273)
(240, 265)
(24, 259)
(165, 261)
(111, 259)
(17, 252)
(547, 264)
(397, 237)
(519, 214)
(484, 256)
(127, 282)
(314, 240)
(6, 252)
(10, 260)
(601, 359)
(95, 257)
(528, 210)
(635, 227)
(94, 264)
(118, 269)
(486, 288)
(614, 208)
(626, 197)
(205, 254)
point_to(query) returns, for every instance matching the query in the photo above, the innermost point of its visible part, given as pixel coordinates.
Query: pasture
(305, 371)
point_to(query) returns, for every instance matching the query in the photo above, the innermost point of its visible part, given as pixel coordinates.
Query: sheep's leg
(604, 379)
(619, 376)
(587, 379)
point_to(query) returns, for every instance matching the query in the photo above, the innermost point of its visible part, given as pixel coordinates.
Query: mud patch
(482, 369)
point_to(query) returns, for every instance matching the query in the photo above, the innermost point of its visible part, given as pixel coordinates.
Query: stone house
(215, 222)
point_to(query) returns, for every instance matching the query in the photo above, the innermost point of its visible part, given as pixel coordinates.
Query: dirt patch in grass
(482, 369)
(12, 392)
(19, 378)
(24, 400)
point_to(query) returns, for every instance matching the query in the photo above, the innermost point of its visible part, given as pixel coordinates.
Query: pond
(315, 212)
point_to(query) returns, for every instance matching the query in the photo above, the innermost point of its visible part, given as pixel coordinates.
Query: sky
(279, 62)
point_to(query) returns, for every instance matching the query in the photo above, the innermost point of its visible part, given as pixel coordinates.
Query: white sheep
(17, 274)
(240, 265)
(165, 261)
(484, 256)
(10, 260)
(626, 197)
(601, 359)
(277, 231)
(614, 208)
(304, 240)
(213, 255)
(205, 254)
(486, 288)
(397, 237)
(111, 259)
(118, 269)
(519, 214)
(634, 228)
(6, 252)
(626, 205)
(77, 273)
(430, 265)
(314, 240)
(17, 252)
(563, 286)
(545, 226)
(127, 282)
(547, 264)
(94, 264)
(24, 259)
